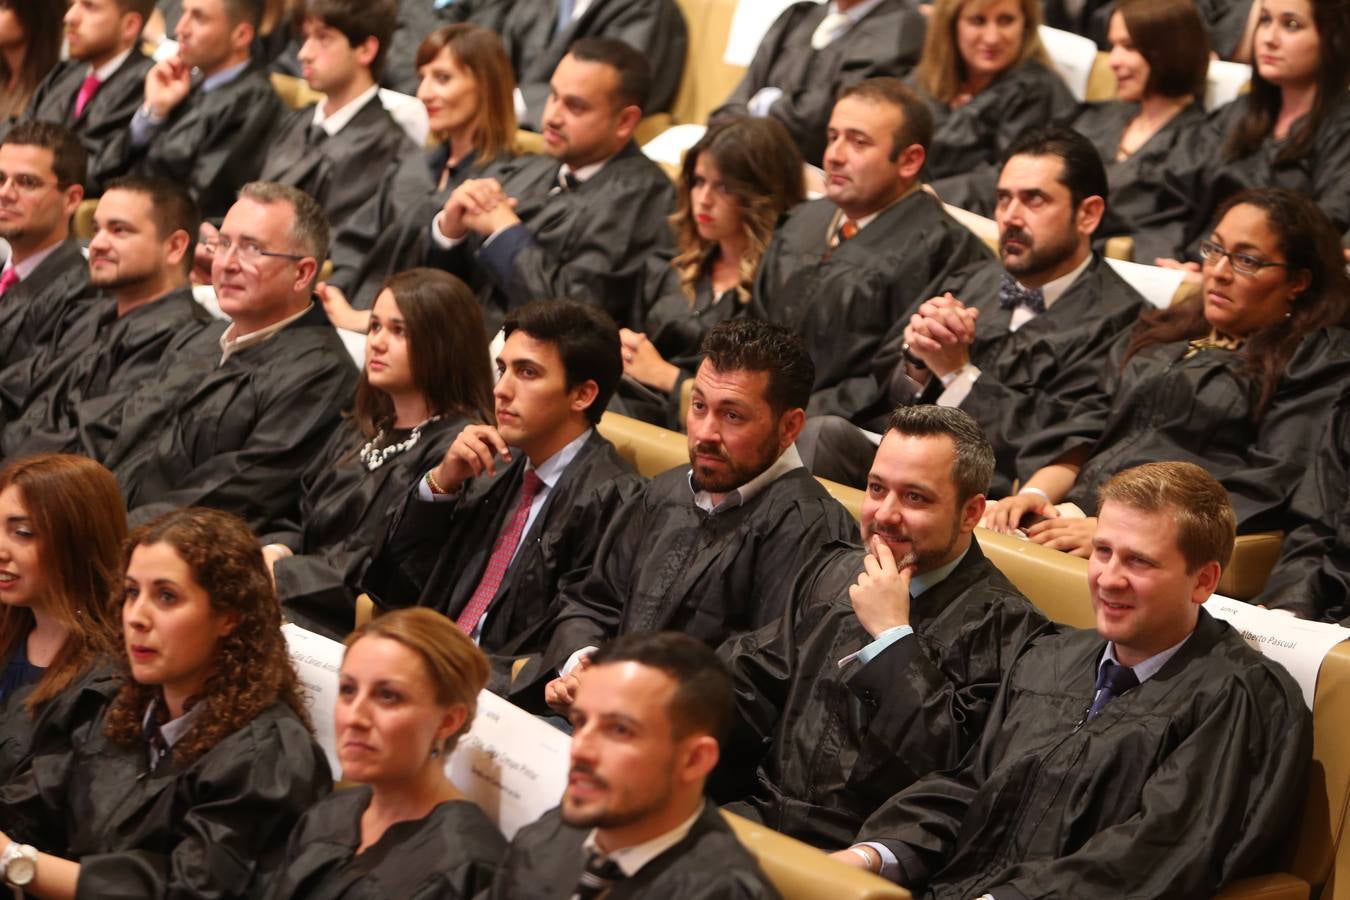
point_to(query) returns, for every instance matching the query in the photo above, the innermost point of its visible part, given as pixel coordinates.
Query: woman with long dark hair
(31, 33)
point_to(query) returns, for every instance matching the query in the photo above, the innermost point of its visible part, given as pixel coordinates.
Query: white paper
(748, 25)
(317, 660)
(1072, 56)
(669, 146)
(1158, 285)
(1297, 644)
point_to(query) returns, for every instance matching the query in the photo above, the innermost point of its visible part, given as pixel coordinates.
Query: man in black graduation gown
(332, 150)
(889, 654)
(230, 420)
(98, 88)
(815, 50)
(559, 367)
(579, 222)
(1159, 756)
(210, 131)
(841, 271)
(1015, 344)
(108, 344)
(42, 169)
(633, 823)
(539, 33)
(711, 550)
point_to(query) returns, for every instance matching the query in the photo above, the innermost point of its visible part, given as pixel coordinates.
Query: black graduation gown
(99, 354)
(834, 742)
(664, 564)
(887, 41)
(1031, 378)
(434, 553)
(1199, 410)
(336, 171)
(31, 309)
(843, 301)
(969, 141)
(234, 436)
(588, 244)
(416, 20)
(545, 861)
(103, 118)
(61, 714)
(212, 829)
(213, 143)
(344, 511)
(1184, 783)
(1312, 578)
(655, 28)
(452, 854)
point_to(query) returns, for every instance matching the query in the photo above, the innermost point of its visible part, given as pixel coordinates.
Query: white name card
(1297, 644)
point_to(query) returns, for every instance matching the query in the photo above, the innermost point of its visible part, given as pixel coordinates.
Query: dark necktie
(1112, 681)
(502, 554)
(597, 878)
(1012, 295)
(315, 136)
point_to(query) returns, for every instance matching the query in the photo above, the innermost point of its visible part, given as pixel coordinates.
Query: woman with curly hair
(1240, 381)
(407, 691)
(62, 524)
(426, 376)
(736, 183)
(186, 782)
(30, 47)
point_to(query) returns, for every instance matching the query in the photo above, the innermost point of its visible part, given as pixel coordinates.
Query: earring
(435, 749)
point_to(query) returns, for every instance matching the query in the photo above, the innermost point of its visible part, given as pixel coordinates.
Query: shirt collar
(582, 175)
(340, 119)
(172, 732)
(224, 76)
(1053, 290)
(552, 468)
(106, 71)
(788, 460)
(926, 581)
(29, 265)
(862, 222)
(229, 346)
(857, 12)
(1149, 667)
(631, 859)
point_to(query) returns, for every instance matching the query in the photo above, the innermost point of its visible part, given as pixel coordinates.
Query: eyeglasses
(1245, 263)
(249, 253)
(24, 183)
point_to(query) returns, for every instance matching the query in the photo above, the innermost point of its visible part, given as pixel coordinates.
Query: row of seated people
(909, 705)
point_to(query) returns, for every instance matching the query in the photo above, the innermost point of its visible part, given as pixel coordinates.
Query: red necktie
(848, 230)
(87, 91)
(502, 553)
(8, 279)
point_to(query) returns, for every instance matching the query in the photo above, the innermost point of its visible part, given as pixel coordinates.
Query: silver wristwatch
(18, 864)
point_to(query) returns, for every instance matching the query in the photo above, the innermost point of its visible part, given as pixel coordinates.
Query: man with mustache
(842, 270)
(647, 728)
(1014, 345)
(883, 666)
(710, 549)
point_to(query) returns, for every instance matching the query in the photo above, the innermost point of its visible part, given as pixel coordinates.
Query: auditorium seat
(1225, 81)
(1074, 57)
(801, 872)
(294, 92)
(708, 79)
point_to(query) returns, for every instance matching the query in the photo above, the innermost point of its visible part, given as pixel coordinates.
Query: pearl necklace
(373, 458)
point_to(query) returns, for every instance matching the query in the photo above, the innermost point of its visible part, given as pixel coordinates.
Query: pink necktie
(8, 279)
(502, 553)
(87, 90)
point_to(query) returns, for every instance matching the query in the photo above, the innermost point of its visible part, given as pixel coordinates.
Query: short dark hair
(1173, 40)
(171, 207)
(1191, 497)
(358, 20)
(250, 11)
(916, 119)
(703, 699)
(144, 7)
(1082, 171)
(310, 231)
(758, 346)
(69, 159)
(587, 340)
(974, 466)
(635, 73)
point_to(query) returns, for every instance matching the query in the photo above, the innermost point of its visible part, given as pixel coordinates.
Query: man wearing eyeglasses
(228, 422)
(42, 170)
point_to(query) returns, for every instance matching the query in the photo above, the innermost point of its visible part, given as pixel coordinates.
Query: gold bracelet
(434, 484)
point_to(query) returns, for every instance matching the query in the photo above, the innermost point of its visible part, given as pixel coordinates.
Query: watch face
(20, 871)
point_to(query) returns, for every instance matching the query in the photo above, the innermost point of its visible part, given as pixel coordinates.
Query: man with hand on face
(208, 130)
(515, 511)
(579, 222)
(1015, 344)
(888, 656)
(99, 88)
(842, 270)
(646, 730)
(1158, 756)
(710, 549)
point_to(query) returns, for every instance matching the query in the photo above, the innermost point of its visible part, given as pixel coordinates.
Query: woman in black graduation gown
(987, 79)
(1159, 55)
(62, 523)
(1240, 381)
(186, 782)
(735, 185)
(426, 376)
(408, 689)
(466, 86)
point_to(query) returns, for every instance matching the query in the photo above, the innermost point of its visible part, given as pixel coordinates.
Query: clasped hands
(940, 334)
(479, 205)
